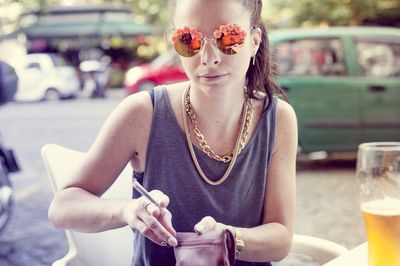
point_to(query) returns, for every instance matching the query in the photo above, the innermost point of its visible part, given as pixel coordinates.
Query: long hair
(261, 75)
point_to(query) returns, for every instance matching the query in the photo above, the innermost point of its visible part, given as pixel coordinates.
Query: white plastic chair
(115, 247)
(321, 250)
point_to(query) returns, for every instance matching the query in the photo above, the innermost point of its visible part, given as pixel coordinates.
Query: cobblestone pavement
(327, 191)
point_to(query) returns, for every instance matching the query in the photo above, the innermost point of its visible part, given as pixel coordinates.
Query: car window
(33, 65)
(310, 57)
(58, 61)
(379, 58)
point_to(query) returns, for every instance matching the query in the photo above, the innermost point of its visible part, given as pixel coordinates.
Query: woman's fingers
(163, 215)
(154, 230)
(154, 210)
(144, 229)
(161, 198)
(152, 221)
(208, 223)
(155, 223)
(166, 220)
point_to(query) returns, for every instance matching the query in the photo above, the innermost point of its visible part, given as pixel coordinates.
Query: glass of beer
(378, 169)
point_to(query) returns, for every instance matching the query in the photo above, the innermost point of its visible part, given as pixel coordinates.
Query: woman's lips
(212, 77)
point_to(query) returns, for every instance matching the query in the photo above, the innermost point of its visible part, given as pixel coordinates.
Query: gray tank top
(169, 167)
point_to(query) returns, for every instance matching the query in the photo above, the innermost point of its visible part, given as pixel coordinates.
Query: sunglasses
(228, 38)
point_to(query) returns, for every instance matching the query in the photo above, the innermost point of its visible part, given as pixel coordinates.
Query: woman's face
(210, 67)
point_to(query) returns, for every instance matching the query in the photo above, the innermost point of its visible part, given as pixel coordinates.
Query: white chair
(115, 247)
(321, 250)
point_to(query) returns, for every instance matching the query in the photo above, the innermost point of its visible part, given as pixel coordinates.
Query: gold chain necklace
(245, 117)
(200, 137)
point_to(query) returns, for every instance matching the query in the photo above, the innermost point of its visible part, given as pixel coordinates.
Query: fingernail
(200, 228)
(163, 243)
(172, 241)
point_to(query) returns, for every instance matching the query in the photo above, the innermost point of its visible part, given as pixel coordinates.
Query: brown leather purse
(212, 248)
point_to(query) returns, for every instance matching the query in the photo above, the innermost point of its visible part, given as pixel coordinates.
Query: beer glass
(378, 169)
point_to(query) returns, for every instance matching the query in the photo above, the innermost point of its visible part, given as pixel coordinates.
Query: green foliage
(154, 12)
(31, 5)
(338, 12)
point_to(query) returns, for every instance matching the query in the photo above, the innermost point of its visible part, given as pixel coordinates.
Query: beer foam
(386, 207)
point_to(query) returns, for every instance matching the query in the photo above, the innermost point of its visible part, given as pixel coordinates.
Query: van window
(379, 58)
(58, 61)
(310, 57)
(33, 65)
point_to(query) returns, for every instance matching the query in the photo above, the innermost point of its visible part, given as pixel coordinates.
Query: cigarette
(145, 193)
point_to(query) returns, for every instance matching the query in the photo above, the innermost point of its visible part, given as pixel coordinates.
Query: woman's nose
(210, 53)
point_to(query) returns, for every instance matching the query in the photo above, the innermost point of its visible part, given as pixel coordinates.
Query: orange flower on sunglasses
(185, 32)
(230, 29)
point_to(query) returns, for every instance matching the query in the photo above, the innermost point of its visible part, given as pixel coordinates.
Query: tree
(154, 12)
(339, 12)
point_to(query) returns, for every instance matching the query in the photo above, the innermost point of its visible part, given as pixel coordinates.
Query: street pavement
(327, 191)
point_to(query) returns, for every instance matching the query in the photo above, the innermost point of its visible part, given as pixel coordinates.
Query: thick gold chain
(205, 147)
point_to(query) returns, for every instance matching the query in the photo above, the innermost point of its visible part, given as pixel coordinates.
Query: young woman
(216, 151)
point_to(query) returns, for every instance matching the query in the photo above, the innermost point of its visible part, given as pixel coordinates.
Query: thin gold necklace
(235, 152)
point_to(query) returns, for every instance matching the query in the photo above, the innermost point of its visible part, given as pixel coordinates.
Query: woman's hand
(151, 221)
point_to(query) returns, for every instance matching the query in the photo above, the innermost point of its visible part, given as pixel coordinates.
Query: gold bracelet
(239, 241)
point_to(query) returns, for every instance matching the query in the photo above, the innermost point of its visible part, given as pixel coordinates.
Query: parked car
(46, 77)
(165, 69)
(344, 83)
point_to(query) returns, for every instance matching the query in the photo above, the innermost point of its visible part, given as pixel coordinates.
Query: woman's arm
(77, 205)
(272, 240)
(123, 138)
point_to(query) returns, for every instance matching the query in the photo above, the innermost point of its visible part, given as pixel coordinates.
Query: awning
(86, 29)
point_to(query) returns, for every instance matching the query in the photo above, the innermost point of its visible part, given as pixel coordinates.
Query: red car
(165, 69)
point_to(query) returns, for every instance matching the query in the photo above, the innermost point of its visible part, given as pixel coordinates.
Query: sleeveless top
(238, 201)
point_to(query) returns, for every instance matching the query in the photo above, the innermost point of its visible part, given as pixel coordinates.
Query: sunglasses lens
(186, 46)
(230, 44)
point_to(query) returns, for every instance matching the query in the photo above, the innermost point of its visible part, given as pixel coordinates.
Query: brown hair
(260, 76)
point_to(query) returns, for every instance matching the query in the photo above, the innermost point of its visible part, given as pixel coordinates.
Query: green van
(344, 84)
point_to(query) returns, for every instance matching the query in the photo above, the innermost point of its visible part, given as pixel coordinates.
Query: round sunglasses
(229, 38)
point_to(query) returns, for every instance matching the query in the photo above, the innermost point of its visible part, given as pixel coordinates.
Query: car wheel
(146, 85)
(52, 95)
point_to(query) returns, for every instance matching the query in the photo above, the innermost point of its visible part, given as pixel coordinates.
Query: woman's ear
(256, 40)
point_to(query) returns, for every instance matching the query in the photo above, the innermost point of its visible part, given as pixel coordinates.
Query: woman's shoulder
(135, 106)
(133, 114)
(284, 110)
(138, 107)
